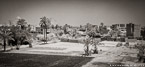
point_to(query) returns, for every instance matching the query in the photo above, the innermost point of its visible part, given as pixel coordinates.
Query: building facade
(133, 30)
(130, 30)
(121, 27)
(137, 30)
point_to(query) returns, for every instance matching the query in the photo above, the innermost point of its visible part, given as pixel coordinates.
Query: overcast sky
(74, 12)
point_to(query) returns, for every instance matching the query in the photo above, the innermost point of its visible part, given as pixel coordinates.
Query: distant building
(133, 30)
(130, 30)
(108, 27)
(121, 28)
(39, 30)
(33, 28)
(137, 30)
(143, 32)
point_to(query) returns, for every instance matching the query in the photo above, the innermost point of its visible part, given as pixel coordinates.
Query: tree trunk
(10, 44)
(18, 44)
(46, 35)
(87, 50)
(17, 47)
(30, 45)
(96, 50)
(4, 44)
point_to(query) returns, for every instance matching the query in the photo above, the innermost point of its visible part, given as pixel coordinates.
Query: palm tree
(88, 27)
(102, 24)
(103, 29)
(20, 36)
(5, 35)
(44, 24)
(65, 28)
(28, 37)
(22, 23)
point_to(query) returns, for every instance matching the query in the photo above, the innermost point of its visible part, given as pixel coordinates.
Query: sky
(74, 12)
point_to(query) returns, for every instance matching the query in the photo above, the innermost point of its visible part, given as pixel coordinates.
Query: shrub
(119, 44)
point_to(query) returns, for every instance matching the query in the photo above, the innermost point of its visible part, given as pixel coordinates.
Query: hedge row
(102, 39)
(69, 40)
(113, 39)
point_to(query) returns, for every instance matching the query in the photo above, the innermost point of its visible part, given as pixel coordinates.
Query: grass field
(35, 60)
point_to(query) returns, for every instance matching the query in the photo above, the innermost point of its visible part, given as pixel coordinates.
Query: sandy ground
(60, 48)
(109, 56)
(116, 57)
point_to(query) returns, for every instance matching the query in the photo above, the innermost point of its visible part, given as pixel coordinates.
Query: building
(133, 30)
(121, 27)
(33, 28)
(130, 30)
(39, 30)
(137, 30)
(143, 32)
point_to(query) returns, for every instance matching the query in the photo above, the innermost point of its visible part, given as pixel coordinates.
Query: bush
(73, 40)
(127, 44)
(119, 44)
(25, 42)
(139, 38)
(122, 39)
(130, 37)
(64, 40)
(44, 40)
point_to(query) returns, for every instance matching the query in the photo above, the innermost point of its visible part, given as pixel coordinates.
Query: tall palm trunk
(4, 44)
(17, 45)
(87, 50)
(46, 35)
(96, 50)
